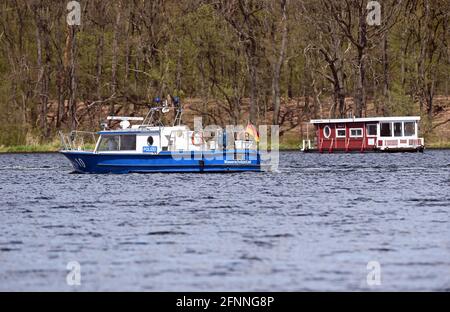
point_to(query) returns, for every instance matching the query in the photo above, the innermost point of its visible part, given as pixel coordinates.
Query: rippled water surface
(314, 225)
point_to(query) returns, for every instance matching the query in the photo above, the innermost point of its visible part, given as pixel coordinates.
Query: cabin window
(111, 143)
(371, 130)
(341, 133)
(398, 129)
(150, 141)
(356, 132)
(385, 129)
(128, 142)
(410, 128)
(326, 132)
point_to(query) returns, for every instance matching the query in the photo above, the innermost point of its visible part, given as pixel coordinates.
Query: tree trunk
(115, 49)
(43, 44)
(386, 96)
(252, 67)
(99, 64)
(46, 83)
(279, 64)
(40, 73)
(361, 72)
(60, 82)
(179, 71)
(128, 49)
(290, 87)
(71, 50)
(339, 76)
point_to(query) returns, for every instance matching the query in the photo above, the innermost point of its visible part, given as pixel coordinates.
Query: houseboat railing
(78, 140)
(306, 145)
(416, 142)
(400, 142)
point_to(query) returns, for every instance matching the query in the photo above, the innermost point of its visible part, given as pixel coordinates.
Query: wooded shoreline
(279, 62)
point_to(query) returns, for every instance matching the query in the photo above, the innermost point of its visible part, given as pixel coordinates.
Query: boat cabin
(153, 140)
(367, 134)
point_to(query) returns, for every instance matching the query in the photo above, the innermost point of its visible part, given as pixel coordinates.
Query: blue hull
(238, 161)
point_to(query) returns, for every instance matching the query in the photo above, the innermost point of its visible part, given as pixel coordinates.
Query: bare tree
(279, 62)
(331, 48)
(242, 16)
(70, 65)
(41, 12)
(351, 16)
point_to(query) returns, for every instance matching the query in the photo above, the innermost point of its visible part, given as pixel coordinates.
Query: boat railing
(78, 140)
(306, 145)
(245, 144)
(400, 142)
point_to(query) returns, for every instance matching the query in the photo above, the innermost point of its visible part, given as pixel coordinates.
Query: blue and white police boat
(150, 146)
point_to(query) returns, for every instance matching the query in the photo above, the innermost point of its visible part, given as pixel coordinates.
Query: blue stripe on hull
(88, 162)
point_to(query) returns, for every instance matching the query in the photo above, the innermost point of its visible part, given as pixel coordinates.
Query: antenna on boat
(149, 119)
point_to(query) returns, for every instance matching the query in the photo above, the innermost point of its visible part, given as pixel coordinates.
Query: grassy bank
(42, 148)
(438, 145)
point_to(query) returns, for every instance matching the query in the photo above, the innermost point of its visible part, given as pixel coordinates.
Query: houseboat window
(341, 133)
(150, 141)
(110, 143)
(398, 129)
(356, 133)
(410, 128)
(385, 129)
(371, 130)
(326, 131)
(128, 142)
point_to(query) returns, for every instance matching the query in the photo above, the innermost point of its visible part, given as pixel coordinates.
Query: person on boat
(169, 101)
(113, 143)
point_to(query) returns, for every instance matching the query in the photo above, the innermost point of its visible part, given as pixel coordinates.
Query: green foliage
(401, 104)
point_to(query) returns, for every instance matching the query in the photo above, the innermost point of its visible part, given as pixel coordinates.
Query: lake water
(313, 225)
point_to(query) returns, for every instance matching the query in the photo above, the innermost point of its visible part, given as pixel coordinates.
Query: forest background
(278, 62)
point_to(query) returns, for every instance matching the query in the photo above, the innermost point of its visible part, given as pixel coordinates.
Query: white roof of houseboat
(368, 119)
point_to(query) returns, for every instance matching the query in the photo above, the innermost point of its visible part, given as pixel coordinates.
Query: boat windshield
(125, 142)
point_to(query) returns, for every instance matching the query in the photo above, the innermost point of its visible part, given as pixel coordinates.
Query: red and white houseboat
(385, 134)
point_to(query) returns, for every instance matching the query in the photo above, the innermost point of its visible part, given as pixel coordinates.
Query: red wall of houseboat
(343, 144)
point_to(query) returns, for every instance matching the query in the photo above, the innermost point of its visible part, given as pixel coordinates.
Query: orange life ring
(193, 138)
